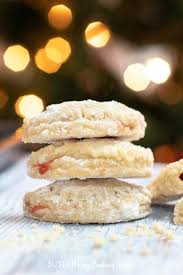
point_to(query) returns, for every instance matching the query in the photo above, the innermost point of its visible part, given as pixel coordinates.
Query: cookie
(169, 184)
(89, 201)
(84, 119)
(90, 158)
(178, 212)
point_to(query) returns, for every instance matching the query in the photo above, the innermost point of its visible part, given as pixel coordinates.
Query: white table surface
(73, 252)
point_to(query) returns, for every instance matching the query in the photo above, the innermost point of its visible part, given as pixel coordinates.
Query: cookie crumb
(169, 235)
(34, 226)
(114, 237)
(98, 242)
(48, 237)
(98, 229)
(145, 252)
(144, 230)
(130, 230)
(158, 228)
(58, 228)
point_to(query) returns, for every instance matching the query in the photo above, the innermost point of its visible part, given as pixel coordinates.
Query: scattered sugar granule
(48, 237)
(36, 237)
(58, 228)
(144, 230)
(114, 237)
(158, 228)
(34, 226)
(130, 230)
(145, 251)
(98, 242)
(169, 235)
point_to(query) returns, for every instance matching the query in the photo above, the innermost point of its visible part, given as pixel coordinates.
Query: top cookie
(84, 119)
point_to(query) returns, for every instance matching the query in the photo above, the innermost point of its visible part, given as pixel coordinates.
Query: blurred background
(125, 50)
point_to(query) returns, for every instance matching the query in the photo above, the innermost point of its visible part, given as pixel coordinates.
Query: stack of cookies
(89, 148)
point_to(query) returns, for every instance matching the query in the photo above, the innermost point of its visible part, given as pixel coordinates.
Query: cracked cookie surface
(84, 119)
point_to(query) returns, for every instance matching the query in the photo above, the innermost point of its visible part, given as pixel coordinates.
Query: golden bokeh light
(44, 63)
(158, 70)
(97, 34)
(16, 58)
(135, 77)
(58, 50)
(29, 105)
(60, 17)
(3, 99)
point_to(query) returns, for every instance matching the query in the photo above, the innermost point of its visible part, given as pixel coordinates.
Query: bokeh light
(44, 63)
(158, 70)
(29, 105)
(58, 50)
(165, 153)
(135, 77)
(97, 34)
(16, 58)
(60, 17)
(3, 99)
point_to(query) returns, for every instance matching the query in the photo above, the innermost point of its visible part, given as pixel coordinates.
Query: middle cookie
(90, 158)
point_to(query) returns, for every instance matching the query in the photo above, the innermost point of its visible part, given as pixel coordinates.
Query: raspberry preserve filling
(35, 208)
(38, 207)
(181, 176)
(43, 167)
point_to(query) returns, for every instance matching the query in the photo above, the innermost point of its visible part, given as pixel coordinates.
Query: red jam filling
(36, 207)
(181, 176)
(43, 167)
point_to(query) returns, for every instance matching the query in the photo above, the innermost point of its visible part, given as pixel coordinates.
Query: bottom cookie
(88, 201)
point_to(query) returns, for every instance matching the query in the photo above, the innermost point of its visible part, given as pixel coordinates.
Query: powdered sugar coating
(89, 201)
(91, 158)
(84, 119)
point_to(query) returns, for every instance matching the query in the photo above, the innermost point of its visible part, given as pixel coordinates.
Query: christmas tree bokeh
(129, 51)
